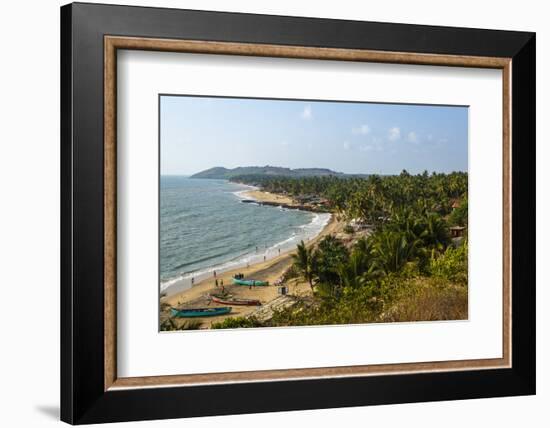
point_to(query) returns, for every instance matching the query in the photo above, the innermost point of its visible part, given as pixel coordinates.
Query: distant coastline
(220, 172)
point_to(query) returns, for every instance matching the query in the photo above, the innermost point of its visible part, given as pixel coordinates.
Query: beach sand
(268, 197)
(270, 270)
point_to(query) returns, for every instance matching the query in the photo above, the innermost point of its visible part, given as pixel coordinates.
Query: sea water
(205, 226)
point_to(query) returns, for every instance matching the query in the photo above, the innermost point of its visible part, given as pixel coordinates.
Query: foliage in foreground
(171, 325)
(237, 322)
(428, 300)
(452, 264)
(394, 299)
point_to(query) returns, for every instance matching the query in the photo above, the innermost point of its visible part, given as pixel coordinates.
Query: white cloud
(347, 145)
(412, 137)
(394, 134)
(361, 130)
(375, 144)
(307, 113)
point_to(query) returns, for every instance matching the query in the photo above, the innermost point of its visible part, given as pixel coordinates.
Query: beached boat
(250, 282)
(199, 312)
(228, 300)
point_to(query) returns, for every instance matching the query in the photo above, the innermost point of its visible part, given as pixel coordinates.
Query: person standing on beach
(214, 274)
(216, 282)
(264, 257)
(221, 283)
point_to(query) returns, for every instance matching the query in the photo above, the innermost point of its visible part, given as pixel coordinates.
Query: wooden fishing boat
(250, 282)
(229, 300)
(199, 312)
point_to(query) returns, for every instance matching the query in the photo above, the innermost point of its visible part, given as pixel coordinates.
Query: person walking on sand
(279, 251)
(264, 257)
(214, 274)
(216, 282)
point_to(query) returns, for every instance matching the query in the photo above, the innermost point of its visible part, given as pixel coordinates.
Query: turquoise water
(205, 226)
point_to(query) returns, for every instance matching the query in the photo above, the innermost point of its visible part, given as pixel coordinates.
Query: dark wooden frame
(114, 43)
(89, 33)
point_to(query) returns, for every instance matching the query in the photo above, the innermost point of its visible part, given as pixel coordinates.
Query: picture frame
(91, 391)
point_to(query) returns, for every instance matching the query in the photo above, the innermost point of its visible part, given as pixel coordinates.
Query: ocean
(205, 226)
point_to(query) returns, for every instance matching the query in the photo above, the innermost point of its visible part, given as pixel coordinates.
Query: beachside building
(457, 231)
(358, 224)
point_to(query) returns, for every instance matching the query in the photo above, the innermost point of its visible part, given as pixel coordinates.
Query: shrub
(430, 300)
(171, 325)
(452, 264)
(237, 322)
(349, 229)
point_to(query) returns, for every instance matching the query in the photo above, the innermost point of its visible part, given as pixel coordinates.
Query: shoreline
(262, 196)
(269, 270)
(184, 282)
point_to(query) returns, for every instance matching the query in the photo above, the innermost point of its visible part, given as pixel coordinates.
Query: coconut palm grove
(400, 255)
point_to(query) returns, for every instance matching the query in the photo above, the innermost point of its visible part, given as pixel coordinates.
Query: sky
(198, 133)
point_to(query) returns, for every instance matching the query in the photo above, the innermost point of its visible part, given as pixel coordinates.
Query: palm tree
(304, 261)
(392, 250)
(360, 268)
(329, 254)
(435, 234)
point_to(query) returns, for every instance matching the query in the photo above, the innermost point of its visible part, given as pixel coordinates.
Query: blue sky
(202, 132)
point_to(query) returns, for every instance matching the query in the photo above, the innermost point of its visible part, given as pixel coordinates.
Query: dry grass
(429, 303)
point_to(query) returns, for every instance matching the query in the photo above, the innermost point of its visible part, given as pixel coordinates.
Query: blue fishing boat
(199, 312)
(250, 282)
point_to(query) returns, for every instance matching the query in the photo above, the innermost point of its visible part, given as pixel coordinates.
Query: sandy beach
(268, 197)
(270, 270)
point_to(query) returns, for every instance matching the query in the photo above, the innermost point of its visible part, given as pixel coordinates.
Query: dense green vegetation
(375, 197)
(405, 268)
(172, 325)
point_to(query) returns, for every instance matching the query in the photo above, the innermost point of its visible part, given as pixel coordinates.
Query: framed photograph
(291, 213)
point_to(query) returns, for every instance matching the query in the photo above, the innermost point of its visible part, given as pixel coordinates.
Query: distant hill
(225, 173)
